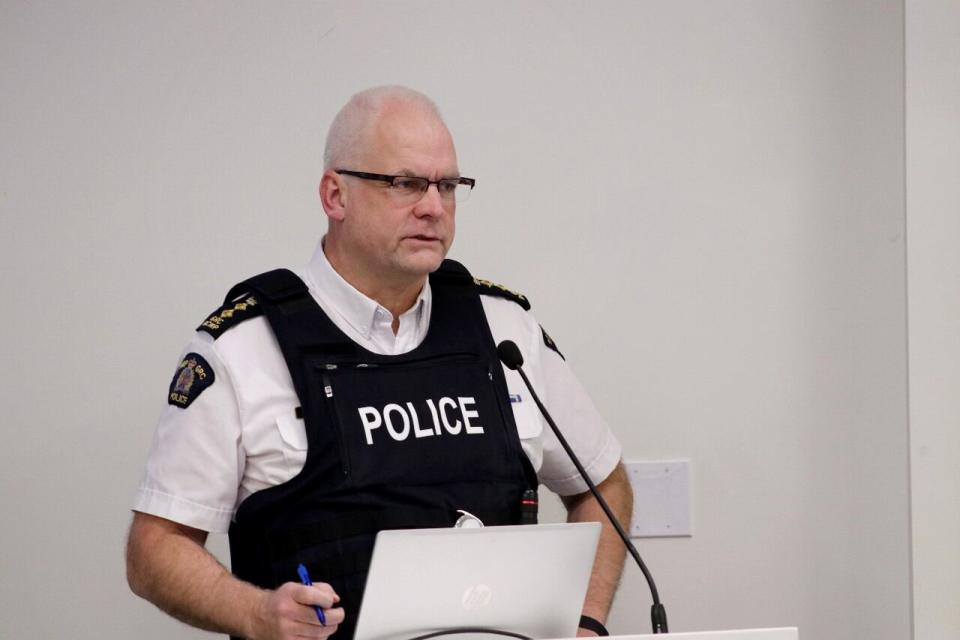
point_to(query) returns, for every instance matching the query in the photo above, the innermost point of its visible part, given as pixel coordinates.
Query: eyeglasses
(411, 188)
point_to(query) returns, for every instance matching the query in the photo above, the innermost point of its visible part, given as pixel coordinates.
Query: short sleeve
(195, 464)
(585, 430)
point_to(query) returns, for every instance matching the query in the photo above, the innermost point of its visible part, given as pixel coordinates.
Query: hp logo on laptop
(476, 597)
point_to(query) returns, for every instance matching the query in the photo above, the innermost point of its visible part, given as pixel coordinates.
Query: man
(364, 393)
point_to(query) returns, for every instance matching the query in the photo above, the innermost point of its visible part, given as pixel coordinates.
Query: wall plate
(661, 498)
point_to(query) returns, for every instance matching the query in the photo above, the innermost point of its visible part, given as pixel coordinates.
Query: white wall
(933, 228)
(705, 202)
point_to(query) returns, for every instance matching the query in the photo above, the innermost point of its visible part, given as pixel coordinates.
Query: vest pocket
(334, 415)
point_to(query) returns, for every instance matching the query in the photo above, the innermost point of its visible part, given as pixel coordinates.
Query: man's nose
(431, 203)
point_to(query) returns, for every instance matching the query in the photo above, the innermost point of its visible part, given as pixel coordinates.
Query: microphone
(511, 357)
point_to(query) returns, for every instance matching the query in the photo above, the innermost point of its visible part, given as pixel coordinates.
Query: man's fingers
(320, 594)
(305, 630)
(334, 616)
(306, 614)
(310, 627)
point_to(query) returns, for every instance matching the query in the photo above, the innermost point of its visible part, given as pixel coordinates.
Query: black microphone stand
(510, 355)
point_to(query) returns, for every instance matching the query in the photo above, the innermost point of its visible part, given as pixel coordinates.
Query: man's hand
(288, 612)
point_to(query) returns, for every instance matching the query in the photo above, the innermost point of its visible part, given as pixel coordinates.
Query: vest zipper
(335, 418)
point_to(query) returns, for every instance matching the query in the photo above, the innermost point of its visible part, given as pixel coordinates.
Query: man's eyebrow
(410, 174)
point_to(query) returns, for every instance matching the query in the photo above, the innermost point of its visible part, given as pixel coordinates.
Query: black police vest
(394, 442)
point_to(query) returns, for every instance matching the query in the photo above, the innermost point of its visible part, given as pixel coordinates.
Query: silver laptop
(526, 579)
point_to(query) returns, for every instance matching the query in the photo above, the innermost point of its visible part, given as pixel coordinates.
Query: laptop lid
(527, 579)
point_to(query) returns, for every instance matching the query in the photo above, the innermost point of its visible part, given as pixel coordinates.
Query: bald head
(349, 133)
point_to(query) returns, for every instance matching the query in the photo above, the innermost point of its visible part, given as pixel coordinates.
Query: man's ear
(333, 195)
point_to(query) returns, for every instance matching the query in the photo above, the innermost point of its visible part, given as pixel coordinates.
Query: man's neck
(396, 295)
(394, 299)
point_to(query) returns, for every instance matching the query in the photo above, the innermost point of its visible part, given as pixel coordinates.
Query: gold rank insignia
(230, 314)
(493, 289)
(193, 375)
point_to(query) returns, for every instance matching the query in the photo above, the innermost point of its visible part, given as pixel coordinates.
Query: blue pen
(305, 579)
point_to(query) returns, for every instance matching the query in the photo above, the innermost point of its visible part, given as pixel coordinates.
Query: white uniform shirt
(241, 434)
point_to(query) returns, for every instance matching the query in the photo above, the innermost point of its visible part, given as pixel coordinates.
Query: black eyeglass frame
(382, 177)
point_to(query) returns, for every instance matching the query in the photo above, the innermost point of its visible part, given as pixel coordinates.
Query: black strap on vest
(277, 286)
(451, 272)
(289, 299)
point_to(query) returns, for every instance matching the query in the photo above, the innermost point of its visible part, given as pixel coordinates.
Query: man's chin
(423, 262)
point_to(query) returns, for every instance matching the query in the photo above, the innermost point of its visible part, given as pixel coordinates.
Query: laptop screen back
(527, 579)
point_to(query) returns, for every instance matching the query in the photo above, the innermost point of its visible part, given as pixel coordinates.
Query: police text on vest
(401, 420)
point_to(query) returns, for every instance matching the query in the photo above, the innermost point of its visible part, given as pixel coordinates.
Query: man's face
(382, 234)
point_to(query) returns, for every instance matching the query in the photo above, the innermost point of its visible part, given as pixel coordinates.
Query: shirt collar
(361, 313)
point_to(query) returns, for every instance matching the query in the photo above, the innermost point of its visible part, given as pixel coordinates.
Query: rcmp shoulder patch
(193, 376)
(230, 315)
(493, 289)
(547, 340)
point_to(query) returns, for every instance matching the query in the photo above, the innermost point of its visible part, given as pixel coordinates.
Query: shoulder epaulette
(493, 289)
(547, 340)
(230, 315)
